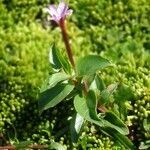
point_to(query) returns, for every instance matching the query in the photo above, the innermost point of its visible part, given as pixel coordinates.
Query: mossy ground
(117, 30)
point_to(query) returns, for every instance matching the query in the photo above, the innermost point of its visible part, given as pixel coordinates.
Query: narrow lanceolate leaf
(97, 84)
(53, 80)
(121, 139)
(53, 58)
(87, 109)
(88, 65)
(58, 60)
(53, 96)
(56, 78)
(64, 62)
(75, 127)
(115, 120)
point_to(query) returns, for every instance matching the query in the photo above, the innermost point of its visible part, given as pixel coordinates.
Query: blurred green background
(118, 30)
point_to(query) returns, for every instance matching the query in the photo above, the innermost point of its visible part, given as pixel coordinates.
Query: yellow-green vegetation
(116, 29)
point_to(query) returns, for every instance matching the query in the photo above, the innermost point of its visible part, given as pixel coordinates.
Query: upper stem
(66, 41)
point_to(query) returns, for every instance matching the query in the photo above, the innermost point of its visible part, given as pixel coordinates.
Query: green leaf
(89, 65)
(97, 84)
(87, 109)
(75, 127)
(105, 94)
(53, 58)
(53, 80)
(122, 139)
(58, 60)
(89, 79)
(65, 63)
(115, 120)
(53, 96)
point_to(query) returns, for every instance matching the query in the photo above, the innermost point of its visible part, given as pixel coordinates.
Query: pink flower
(59, 12)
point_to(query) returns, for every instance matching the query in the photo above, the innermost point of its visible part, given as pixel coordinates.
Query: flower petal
(62, 9)
(60, 12)
(52, 10)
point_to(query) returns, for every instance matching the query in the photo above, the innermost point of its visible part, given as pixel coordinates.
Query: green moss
(139, 116)
(24, 65)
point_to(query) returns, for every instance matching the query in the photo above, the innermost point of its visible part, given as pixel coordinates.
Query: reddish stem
(66, 41)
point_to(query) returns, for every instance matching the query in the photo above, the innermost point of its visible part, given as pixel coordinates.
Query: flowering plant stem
(66, 41)
(84, 87)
